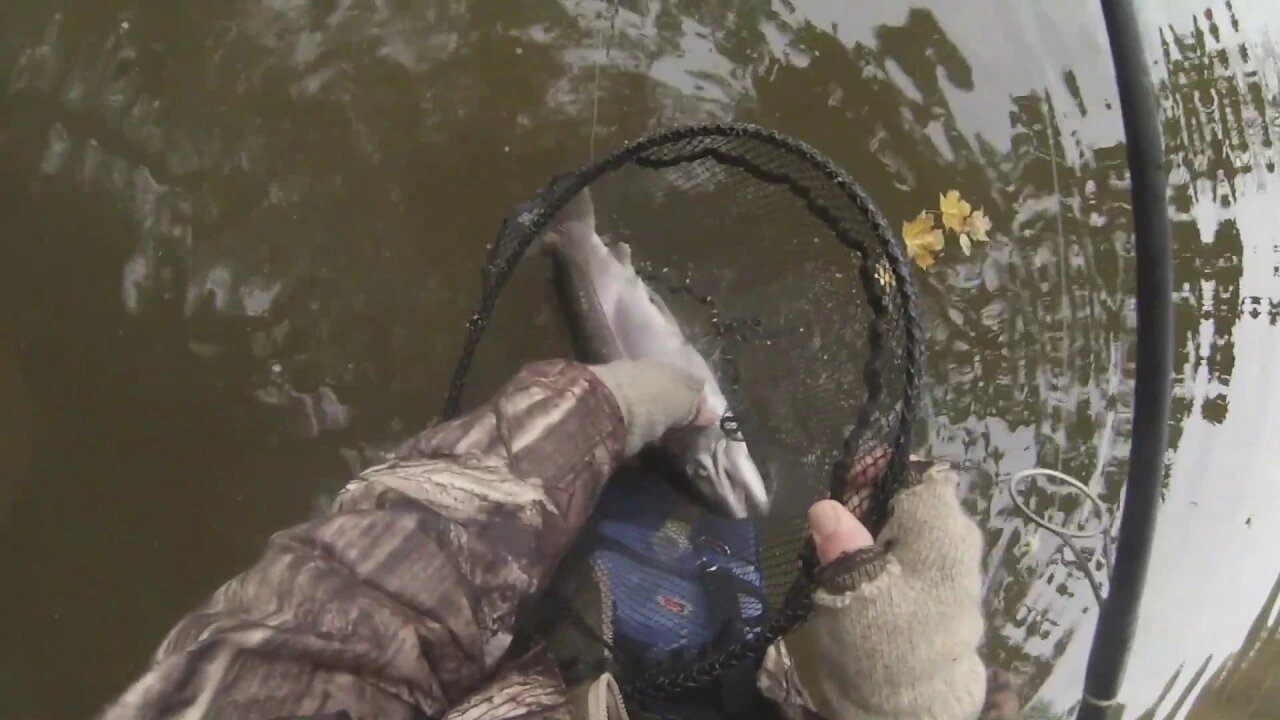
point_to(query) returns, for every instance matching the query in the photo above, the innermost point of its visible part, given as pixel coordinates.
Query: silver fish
(616, 316)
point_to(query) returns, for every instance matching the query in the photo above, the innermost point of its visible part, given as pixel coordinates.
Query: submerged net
(786, 277)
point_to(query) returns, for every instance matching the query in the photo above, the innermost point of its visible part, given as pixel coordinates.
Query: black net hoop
(888, 379)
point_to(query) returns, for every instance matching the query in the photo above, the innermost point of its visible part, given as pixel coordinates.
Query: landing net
(789, 280)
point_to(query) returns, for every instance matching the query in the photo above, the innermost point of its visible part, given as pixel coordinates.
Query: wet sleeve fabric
(402, 602)
(896, 627)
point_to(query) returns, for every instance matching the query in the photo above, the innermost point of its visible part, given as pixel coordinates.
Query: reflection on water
(1201, 644)
(241, 241)
(1243, 683)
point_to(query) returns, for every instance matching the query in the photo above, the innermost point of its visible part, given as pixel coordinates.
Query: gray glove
(654, 397)
(896, 627)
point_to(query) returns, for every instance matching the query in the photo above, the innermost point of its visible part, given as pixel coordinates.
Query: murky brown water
(210, 208)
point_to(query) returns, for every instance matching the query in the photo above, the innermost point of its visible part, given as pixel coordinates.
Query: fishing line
(595, 89)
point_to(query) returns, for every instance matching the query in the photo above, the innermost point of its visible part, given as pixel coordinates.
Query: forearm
(554, 428)
(403, 600)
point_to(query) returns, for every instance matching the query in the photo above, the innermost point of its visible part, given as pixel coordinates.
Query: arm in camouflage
(401, 603)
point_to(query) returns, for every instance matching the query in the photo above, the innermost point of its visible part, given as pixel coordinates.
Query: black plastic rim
(1118, 617)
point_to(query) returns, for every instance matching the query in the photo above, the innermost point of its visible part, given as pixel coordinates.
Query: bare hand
(836, 531)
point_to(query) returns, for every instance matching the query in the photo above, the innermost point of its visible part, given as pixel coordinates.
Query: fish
(614, 315)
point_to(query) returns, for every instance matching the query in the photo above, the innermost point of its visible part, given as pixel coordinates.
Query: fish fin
(621, 252)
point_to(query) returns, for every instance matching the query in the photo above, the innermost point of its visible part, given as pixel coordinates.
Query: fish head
(723, 471)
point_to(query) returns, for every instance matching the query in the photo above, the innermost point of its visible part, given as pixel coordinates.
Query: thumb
(836, 531)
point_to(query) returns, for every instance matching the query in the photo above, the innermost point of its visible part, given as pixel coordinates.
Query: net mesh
(786, 277)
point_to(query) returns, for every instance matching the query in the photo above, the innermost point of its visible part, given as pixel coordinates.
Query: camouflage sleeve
(555, 424)
(528, 689)
(402, 602)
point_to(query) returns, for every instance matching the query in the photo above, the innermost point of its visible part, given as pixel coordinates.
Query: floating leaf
(920, 230)
(925, 260)
(954, 210)
(965, 245)
(977, 225)
(922, 239)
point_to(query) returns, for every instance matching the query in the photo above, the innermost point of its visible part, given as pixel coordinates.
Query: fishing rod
(1118, 617)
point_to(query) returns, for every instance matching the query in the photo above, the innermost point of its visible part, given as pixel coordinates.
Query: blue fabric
(655, 557)
(660, 611)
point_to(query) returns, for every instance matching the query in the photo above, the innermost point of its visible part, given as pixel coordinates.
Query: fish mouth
(735, 485)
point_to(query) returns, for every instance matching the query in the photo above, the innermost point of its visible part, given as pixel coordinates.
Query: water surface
(207, 209)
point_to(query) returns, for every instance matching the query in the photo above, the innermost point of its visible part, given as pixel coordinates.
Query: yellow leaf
(923, 251)
(965, 245)
(924, 259)
(977, 225)
(913, 229)
(922, 239)
(954, 210)
(921, 234)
